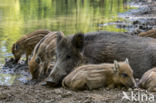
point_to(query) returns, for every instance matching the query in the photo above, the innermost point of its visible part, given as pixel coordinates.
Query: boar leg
(27, 57)
(93, 85)
(44, 71)
(78, 85)
(111, 86)
(119, 86)
(16, 60)
(46, 68)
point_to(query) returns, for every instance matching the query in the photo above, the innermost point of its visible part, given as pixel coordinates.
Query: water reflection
(18, 17)
(7, 79)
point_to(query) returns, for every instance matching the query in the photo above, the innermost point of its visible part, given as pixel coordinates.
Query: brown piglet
(93, 76)
(149, 33)
(148, 80)
(26, 44)
(43, 55)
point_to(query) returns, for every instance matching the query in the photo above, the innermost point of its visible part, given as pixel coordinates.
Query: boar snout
(35, 74)
(131, 84)
(51, 82)
(56, 77)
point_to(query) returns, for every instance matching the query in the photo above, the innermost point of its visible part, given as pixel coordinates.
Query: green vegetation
(18, 17)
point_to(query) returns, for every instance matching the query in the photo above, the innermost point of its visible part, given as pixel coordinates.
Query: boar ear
(78, 40)
(116, 65)
(60, 33)
(127, 61)
(37, 60)
(61, 40)
(59, 36)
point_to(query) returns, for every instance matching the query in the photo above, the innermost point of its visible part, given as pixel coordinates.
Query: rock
(59, 97)
(9, 62)
(68, 93)
(130, 89)
(58, 91)
(136, 22)
(136, 89)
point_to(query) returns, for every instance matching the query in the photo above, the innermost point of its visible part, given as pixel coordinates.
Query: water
(19, 17)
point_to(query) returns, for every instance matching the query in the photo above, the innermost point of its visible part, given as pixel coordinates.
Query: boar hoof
(12, 59)
(50, 82)
(32, 82)
(43, 83)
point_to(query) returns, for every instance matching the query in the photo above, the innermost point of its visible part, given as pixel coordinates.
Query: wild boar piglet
(148, 80)
(149, 33)
(43, 55)
(94, 76)
(26, 44)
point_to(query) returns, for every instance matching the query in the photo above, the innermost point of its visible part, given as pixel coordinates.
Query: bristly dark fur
(105, 47)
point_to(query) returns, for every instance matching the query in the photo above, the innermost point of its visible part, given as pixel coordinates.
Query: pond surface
(19, 17)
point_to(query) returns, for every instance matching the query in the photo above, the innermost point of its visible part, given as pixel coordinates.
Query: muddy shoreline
(140, 20)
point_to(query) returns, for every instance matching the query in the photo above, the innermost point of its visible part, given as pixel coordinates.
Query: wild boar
(150, 33)
(94, 76)
(43, 55)
(148, 80)
(102, 47)
(26, 44)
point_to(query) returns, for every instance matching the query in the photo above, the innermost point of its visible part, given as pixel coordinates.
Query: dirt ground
(20, 93)
(40, 94)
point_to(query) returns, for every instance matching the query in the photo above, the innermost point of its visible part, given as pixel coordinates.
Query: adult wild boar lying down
(102, 47)
(94, 76)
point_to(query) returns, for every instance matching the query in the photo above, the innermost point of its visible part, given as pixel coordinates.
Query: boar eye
(124, 75)
(37, 60)
(68, 57)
